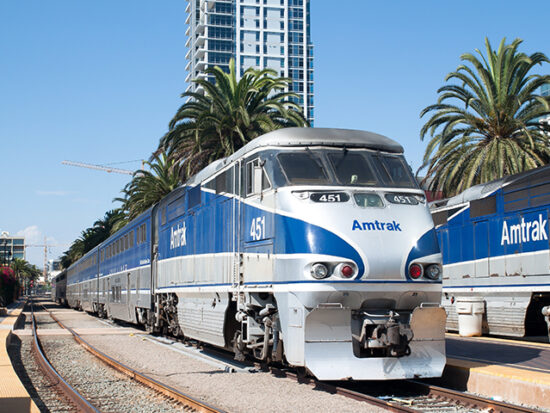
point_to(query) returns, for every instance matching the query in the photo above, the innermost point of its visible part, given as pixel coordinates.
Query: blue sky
(98, 81)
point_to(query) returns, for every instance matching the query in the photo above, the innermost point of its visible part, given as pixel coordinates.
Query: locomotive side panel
(513, 256)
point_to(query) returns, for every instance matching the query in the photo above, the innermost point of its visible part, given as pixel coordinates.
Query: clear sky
(98, 81)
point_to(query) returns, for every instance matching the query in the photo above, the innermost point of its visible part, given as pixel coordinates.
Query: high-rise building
(256, 33)
(11, 247)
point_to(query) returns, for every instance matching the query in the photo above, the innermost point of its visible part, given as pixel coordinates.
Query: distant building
(54, 268)
(11, 247)
(256, 33)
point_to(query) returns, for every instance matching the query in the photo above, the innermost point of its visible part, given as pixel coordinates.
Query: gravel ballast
(234, 392)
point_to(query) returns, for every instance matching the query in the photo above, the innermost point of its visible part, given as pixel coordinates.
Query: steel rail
(162, 388)
(440, 393)
(74, 396)
(392, 407)
(470, 399)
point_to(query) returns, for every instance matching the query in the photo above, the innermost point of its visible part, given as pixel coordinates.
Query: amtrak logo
(376, 226)
(524, 231)
(178, 237)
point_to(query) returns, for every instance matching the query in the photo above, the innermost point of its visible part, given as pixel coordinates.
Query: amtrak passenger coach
(309, 246)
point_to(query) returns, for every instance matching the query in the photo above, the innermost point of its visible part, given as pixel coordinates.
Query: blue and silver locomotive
(310, 246)
(494, 241)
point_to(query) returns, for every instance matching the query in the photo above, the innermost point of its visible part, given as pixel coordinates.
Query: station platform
(13, 395)
(511, 370)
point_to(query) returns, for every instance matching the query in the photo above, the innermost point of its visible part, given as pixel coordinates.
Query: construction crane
(46, 246)
(99, 167)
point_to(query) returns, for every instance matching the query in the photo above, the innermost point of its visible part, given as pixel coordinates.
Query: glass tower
(256, 33)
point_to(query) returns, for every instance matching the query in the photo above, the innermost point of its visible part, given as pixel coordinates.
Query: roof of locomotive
(480, 191)
(348, 138)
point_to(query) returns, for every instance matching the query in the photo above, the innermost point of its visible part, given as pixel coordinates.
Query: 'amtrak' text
(178, 237)
(375, 226)
(524, 231)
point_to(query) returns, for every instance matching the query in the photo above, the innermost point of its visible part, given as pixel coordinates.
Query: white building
(256, 33)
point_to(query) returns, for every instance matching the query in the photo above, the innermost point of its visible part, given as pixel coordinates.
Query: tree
(228, 115)
(488, 125)
(93, 236)
(148, 187)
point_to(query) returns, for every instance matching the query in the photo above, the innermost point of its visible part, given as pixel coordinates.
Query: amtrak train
(309, 246)
(494, 241)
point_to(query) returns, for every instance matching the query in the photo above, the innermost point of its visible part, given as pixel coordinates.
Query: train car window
(230, 180)
(220, 183)
(163, 216)
(352, 168)
(439, 218)
(368, 200)
(257, 180)
(132, 239)
(302, 168)
(481, 207)
(540, 200)
(394, 171)
(194, 196)
(210, 184)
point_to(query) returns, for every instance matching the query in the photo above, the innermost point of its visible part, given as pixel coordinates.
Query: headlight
(319, 271)
(433, 272)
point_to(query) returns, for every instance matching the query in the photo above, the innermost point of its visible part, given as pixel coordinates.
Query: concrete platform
(514, 371)
(13, 395)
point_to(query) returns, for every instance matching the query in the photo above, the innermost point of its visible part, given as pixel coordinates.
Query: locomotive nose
(396, 246)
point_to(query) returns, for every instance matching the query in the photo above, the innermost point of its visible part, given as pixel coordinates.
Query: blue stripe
(496, 286)
(426, 245)
(303, 282)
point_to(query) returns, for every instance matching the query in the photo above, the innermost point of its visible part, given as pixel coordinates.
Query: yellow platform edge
(503, 371)
(14, 397)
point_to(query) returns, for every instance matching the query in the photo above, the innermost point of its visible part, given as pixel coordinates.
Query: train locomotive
(494, 241)
(309, 246)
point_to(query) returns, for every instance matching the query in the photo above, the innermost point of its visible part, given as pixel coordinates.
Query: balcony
(200, 53)
(188, 66)
(201, 65)
(200, 39)
(188, 31)
(201, 26)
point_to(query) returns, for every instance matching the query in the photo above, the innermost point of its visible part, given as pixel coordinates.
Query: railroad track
(80, 403)
(401, 396)
(180, 399)
(398, 396)
(410, 396)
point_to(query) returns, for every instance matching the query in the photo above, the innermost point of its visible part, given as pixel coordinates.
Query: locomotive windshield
(345, 167)
(303, 168)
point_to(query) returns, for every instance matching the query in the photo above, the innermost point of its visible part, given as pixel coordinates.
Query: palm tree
(148, 187)
(228, 115)
(93, 236)
(488, 125)
(24, 270)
